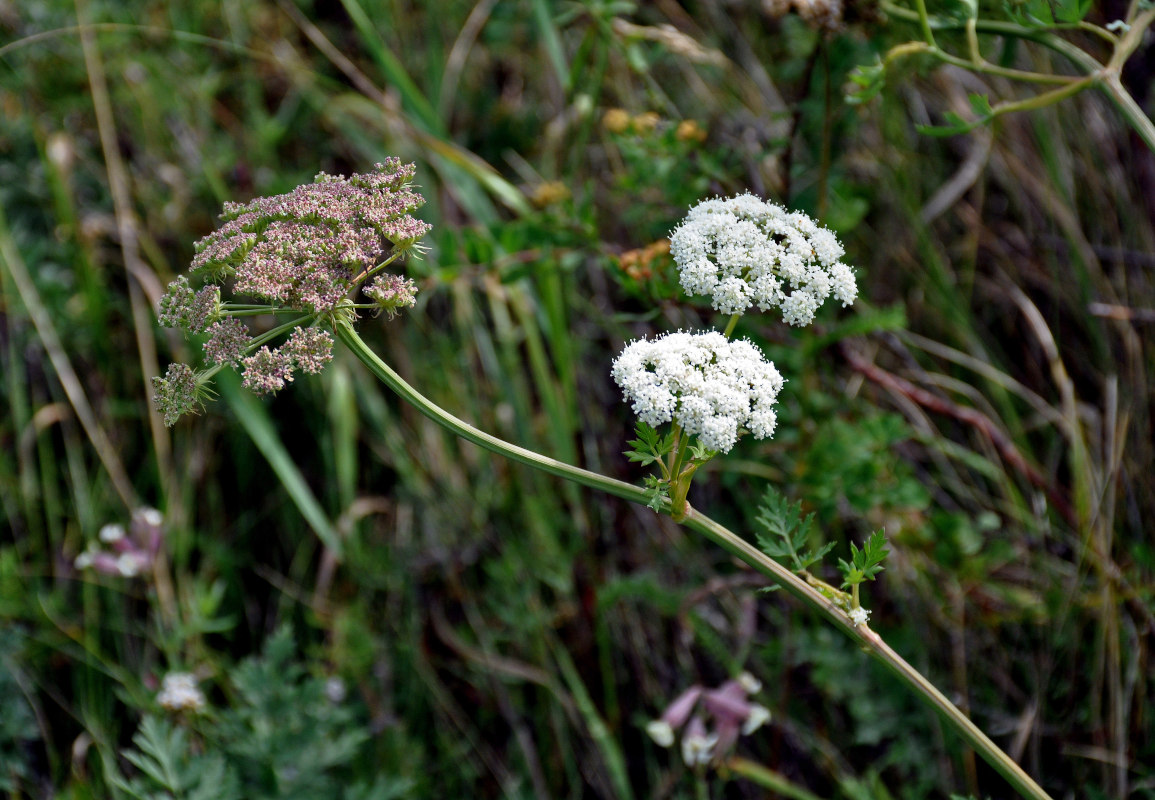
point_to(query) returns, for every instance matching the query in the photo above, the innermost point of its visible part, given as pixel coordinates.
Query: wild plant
(310, 255)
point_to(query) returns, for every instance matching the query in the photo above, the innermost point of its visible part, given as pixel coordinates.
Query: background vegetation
(376, 610)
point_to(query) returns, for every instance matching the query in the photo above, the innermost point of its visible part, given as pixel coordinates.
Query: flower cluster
(743, 251)
(124, 553)
(713, 387)
(267, 371)
(177, 393)
(182, 308)
(728, 707)
(307, 248)
(308, 251)
(391, 293)
(179, 692)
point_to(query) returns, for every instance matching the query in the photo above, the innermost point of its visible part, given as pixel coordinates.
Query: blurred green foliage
(987, 403)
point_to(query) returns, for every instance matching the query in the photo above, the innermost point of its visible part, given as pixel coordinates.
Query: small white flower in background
(712, 386)
(661, 732)
(751, 684)
(111, 533)
(759, 716)
(129, 565)
(335, 690)
(1118, 26)
(743, 252)
(150, 516)
(697, 745)
(858, 615)
(179, 692)
(728, 709)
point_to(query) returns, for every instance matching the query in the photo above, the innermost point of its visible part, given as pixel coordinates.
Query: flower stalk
(810, 596)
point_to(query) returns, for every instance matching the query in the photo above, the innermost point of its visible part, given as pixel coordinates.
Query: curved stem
(593, 480)
(1106, 76)
(731, 542)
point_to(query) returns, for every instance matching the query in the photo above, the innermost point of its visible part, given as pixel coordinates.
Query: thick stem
(731, 542)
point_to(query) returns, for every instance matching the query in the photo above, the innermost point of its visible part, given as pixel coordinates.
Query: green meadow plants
(954, 467)
(286, 734)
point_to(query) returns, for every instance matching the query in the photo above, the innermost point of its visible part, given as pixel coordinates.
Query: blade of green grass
(257, 424)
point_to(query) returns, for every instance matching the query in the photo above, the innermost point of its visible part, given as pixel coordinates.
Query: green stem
(733, 323)
(873, 644)
(702, 789)
(593, 480)
(1125, 103)
(369, 273)
(977, 64)
(1043, 100)
(268, 336)
(731, 542)
(768, 779)
(924, 22)
(1107, 77)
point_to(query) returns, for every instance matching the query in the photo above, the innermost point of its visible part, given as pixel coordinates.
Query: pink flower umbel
(306, 249)
(307, 252)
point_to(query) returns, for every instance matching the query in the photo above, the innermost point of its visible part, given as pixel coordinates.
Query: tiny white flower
(84, 560)
(179, 692)
(661, 732)
(129, 565)
(858, 615)
(751, 684)
(151, 517)
(1118, 26)
(698, 748)
(335, 690)
(111, 533)
(759, 716)
(713, 387)
(744, 251)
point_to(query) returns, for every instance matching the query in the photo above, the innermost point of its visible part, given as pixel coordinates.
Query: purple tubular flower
(728, 702)
(729, 707)
(679, 711)
(730, 712)
(698, 745)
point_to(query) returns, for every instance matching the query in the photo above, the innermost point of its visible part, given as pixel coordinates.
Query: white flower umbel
(711, 386)
(858, 615)
(743, 252)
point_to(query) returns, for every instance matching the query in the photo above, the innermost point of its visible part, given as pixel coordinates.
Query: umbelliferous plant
(318, 256)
